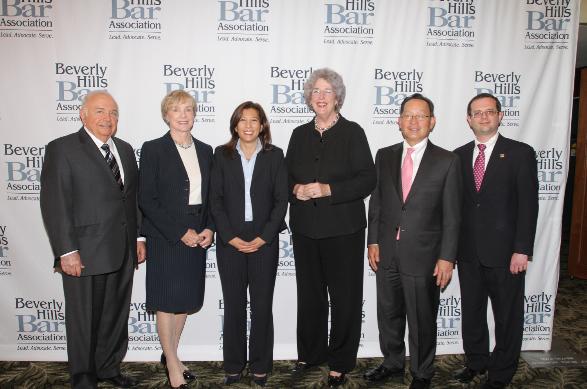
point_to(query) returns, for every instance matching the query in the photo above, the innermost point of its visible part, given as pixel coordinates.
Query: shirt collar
(258, 147)
(97, 141)
(418, 146)
(490, 142)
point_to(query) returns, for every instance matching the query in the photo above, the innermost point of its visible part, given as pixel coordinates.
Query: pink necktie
(407, 172)
(479, 166)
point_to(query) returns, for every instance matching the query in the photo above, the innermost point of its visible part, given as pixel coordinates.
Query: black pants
(506, 292)
(96, 321)
(400, 296)
(329, 266)
(257, 271)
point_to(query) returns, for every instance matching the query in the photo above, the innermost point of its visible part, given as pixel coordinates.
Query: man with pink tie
(414, 218)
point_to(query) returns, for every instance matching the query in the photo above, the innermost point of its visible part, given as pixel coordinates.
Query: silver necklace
(184, 146)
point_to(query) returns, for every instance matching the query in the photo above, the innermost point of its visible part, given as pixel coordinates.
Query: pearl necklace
(322, 129)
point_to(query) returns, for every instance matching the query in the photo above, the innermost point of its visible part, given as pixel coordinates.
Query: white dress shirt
(417, 154)
(113, 150)
(489, 146)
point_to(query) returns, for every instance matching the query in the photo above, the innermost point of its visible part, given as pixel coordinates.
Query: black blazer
(268, 194)
(340, 158)
(83, 207)
(164, 189)
(429, 218)
(500, 219)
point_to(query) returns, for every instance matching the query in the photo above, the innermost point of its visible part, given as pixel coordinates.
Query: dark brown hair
(264, 134)
(482, 96)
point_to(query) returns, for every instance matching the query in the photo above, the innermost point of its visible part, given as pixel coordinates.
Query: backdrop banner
(224, 52)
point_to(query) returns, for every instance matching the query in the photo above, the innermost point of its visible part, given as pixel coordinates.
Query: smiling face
(249, 126)
(99, 115)
(323, 98)
(180, 116)
(415, 122)
(484, 119)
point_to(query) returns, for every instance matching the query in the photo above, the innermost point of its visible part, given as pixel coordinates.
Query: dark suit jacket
(164, 189)
(429, 218)
(268, 194)
(83, 207)
(500, 219)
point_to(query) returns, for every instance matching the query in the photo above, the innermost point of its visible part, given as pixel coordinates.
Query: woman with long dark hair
(248, 202)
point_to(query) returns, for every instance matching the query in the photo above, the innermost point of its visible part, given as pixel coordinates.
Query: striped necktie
(111, 161)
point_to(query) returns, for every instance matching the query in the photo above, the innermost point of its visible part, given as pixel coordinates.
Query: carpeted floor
(570, 326)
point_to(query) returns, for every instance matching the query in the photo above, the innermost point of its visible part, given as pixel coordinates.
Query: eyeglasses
(326, 92)
(489, 113)
(419, 117)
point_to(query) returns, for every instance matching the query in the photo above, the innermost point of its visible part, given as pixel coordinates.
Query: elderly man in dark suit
(89, 207)
(500, 208)
(414, 216)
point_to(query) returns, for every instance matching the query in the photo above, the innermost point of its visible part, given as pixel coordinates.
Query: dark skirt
(175, 276)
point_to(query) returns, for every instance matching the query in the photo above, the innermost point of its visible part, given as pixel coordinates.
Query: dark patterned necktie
(111, 161)
(479, 167)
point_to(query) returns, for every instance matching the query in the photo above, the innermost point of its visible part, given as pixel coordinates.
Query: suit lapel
(236, 169)
(174, 154)
(426, 166)
(498, 155)
(259, 161)
(95, 155)
(205, 167)
(395, 167)
(126, 161)
(467, 167)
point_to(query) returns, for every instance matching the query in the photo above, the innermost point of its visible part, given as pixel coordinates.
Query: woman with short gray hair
(331, 171)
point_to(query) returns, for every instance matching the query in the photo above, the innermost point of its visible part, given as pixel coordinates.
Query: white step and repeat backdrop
(227, 51)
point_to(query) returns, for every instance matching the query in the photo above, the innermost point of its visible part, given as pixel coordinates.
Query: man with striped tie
(89, 207)
(500, 208)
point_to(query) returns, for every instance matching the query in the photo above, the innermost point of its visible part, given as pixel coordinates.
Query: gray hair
(330, 76)
(93, 93)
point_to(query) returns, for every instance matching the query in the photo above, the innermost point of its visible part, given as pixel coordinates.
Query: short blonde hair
(176, 97)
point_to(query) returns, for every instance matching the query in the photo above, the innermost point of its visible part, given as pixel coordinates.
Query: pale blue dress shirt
(248, 168)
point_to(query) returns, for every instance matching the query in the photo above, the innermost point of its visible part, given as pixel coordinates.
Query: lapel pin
(501, 155)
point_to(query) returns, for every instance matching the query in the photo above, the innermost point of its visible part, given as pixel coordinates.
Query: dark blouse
(340, 157)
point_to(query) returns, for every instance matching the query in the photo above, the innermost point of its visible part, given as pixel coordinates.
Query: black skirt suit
(175, 272)
(257, 270)
(329, 239)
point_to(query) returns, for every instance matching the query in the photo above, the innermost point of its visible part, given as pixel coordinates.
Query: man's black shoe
(120, 381)
(493, 385)
(466, 374)
(230, 379)
(420, 383)
(260, 380)
(381, 373)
